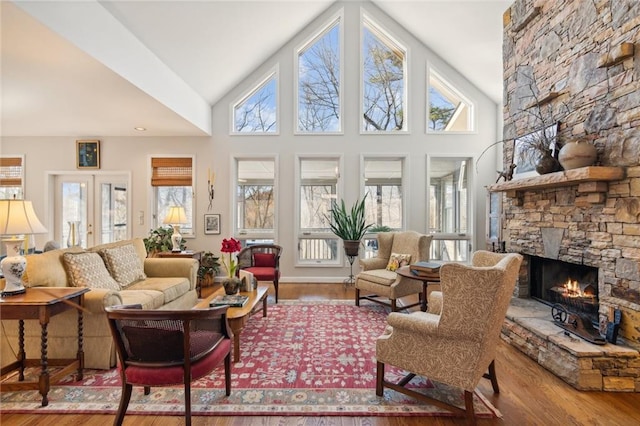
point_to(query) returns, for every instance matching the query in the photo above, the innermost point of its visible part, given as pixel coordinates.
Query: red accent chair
(163, 347)
(263, 261)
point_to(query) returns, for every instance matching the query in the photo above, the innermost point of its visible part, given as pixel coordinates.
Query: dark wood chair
(263, 261)
(163, 347)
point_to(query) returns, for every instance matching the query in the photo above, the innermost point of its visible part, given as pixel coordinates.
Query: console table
(197, 255)
(41, 303)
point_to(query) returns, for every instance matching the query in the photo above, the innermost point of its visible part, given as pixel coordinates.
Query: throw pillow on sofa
(88, 270)
(123, 264)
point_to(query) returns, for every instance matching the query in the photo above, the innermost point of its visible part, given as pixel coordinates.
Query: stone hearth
(583, 365)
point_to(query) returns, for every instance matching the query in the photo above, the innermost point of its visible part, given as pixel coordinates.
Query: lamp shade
(18, 217)
(176, 216)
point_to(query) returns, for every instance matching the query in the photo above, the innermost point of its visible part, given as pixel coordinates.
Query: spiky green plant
(348, 225)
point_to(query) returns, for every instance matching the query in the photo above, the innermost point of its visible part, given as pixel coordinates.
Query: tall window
(449, 111)
(318, 185)
(257, 111)
(384, 199)
(383, 190)
(255, 200)
(319, 78)
(449, 208)
(383, 80)
(11, 178)
(172, 181)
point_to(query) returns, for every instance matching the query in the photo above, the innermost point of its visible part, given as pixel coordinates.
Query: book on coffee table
(232, 300)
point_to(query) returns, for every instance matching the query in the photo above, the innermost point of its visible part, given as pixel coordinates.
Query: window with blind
(11, 178)
(172, 182)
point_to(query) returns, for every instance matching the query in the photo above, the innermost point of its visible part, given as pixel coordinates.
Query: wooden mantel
(591, 180)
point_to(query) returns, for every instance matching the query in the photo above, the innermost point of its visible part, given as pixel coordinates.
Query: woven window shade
(169, 171)
(11, 171)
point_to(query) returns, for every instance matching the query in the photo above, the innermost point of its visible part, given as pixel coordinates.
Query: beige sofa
(169, 284)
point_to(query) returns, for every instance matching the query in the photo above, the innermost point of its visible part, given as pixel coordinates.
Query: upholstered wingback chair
(378, 281)
(455, 341)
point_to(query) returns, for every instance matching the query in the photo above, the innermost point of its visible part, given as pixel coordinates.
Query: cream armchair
(379, 282)
(455, 341)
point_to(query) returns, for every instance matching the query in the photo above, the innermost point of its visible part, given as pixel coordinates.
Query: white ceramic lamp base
(13, 268)
(176, 239)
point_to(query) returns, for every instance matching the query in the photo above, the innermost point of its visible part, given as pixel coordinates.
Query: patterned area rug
(304, 359)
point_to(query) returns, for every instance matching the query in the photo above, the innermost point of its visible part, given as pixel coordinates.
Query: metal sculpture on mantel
(507, 174)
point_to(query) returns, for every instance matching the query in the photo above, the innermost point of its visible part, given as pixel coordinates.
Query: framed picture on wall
(211, 223)
(527, 150)
(88, 154)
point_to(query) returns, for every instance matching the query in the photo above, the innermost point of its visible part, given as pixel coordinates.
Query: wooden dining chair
(164, 347)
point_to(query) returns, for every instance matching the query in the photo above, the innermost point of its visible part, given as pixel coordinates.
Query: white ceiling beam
(90, 27)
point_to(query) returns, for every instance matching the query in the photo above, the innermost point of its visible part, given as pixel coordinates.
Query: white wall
(132, 154)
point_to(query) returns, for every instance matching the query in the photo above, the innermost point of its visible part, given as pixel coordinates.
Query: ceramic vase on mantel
(577, 154)
(547, 164)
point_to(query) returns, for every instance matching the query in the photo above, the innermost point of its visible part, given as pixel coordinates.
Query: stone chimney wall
(568, 61)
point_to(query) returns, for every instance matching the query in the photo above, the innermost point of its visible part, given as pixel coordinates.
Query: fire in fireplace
(571, 290)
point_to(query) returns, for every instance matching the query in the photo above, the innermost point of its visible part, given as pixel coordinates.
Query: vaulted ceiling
(103, 68)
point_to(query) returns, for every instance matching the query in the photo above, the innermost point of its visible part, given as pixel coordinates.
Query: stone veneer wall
(556, 47)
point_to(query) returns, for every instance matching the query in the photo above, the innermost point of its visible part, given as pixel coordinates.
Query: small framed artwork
(211, 223)
(88, 154)
(527, 153)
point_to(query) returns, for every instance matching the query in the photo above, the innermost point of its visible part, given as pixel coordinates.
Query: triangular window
(319, 82)
(257, 110)
(383, 81)
(449, 110)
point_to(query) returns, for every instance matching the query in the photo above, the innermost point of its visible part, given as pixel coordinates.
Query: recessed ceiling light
(140, 129)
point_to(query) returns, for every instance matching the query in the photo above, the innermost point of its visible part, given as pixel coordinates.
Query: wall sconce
(210, 181)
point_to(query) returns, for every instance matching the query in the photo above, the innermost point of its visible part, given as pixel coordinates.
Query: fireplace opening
(571, 285)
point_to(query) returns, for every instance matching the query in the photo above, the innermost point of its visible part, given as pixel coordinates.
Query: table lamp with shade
(17, 217)
(176, 217)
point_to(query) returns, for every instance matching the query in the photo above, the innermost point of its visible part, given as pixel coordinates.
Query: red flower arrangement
(230, 246)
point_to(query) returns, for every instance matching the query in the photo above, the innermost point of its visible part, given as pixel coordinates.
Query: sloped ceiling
(171, 60)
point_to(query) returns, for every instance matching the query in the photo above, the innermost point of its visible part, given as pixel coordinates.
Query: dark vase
(231, 285)
(547, 164)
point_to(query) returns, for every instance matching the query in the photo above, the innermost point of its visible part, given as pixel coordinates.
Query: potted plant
(349, 225)
(159, 239)
(209, 267)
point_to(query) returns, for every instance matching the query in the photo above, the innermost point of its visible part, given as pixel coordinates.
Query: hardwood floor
(529, 394)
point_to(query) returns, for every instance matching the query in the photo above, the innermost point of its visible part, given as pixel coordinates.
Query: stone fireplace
(576, 63)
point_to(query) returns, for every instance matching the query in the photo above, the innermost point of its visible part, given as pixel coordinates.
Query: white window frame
(469, 235)
(472, 120)
(367, 21)
(403, 158)
(274, 73)
(299, 235)
(154, 220)
(337, 19)
(238, 233)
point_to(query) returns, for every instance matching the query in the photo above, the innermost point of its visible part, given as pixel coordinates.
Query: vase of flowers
(231, 282)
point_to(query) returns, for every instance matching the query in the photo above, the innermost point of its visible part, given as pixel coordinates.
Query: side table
(41, 303)
(405, 271)
(197, 255)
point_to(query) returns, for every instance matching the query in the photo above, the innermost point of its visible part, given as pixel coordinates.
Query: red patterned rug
(304, 359)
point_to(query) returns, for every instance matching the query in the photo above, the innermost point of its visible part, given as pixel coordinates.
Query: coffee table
(238, 317)
(41, 303)
(405, 271)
